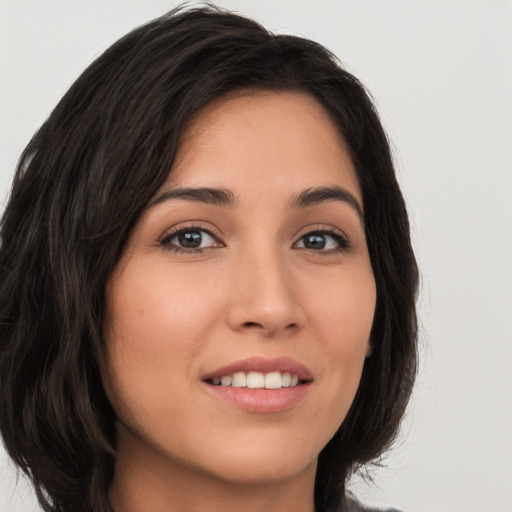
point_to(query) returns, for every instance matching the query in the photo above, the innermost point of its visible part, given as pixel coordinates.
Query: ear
(369, 349)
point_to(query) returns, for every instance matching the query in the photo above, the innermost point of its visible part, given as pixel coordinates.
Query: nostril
(252, 325)
(268, 330)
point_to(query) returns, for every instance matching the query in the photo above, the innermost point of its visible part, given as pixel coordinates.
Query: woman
(208, 287)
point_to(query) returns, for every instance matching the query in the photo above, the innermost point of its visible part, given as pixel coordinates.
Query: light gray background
(441, 73)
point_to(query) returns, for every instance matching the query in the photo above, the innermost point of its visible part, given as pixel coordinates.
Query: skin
(254, 288)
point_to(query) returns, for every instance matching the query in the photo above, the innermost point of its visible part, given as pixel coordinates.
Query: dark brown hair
(80, 187)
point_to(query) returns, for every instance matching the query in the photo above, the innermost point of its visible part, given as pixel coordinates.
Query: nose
(265, 298)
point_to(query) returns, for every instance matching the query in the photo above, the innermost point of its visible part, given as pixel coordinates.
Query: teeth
(258, 380)
(255, 380)
(273, 380)
(226, 380)
(239, 380)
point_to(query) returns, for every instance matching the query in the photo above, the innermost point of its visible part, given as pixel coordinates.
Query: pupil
(190, 239)
(315, 242)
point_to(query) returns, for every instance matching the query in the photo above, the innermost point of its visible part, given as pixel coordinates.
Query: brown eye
(190, 239)
(323, 241)
(315, 241)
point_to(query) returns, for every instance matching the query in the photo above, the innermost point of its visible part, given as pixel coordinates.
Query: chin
(261, 470)
(265, 459)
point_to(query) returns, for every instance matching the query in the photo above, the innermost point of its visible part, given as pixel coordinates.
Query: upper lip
(263, 365)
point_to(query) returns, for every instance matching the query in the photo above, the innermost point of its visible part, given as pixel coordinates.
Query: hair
(81, 185)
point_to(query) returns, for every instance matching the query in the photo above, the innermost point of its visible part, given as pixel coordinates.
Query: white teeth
(239, 380)
(273, 380)
(258, 380)
(255, 380)
(226, 380)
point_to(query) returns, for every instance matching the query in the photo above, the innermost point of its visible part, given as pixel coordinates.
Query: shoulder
(350, 504)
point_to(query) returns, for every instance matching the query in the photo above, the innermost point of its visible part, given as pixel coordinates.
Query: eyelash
(343, 242)
(341, 239)
(165, 240)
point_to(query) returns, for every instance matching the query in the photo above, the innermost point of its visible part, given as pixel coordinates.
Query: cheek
(342, 310)
(156, 325)
(152, 313)
(341, 317)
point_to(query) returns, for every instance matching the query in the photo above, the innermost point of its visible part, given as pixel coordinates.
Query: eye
(190, 239)
(323, 241)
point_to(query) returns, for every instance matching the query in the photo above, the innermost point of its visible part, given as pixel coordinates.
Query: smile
(258, 380)
(261, 385)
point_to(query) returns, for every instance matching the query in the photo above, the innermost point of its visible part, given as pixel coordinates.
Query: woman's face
(250, 268)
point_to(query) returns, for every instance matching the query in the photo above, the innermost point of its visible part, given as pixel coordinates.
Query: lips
(259, 384)
(263, 365)
(258, 380)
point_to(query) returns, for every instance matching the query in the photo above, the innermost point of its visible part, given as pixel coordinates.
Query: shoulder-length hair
(80, 187)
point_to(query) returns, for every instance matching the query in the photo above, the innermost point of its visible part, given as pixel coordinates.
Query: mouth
(258, 380)
(261, 385)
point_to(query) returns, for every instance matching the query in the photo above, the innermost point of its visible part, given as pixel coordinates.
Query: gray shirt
(352, 505)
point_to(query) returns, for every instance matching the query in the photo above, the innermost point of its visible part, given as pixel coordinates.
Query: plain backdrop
(441, 74)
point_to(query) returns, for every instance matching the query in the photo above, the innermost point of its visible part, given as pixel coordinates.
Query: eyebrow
(215, 196)
(318, 195)
(224, 197)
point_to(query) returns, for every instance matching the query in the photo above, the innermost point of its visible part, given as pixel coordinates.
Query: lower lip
(261, 400)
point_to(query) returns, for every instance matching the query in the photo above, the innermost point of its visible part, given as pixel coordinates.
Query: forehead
(280, 141)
